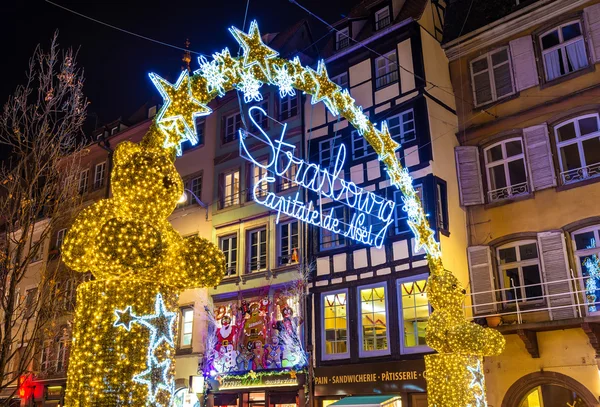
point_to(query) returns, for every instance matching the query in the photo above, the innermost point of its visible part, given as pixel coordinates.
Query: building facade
(526, 79)
(368, 305)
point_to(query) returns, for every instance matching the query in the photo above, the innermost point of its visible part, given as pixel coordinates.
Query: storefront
(405, 379)
(285, 389)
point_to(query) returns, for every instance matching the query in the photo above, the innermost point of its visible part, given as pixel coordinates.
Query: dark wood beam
(592, 330)
(529, 338)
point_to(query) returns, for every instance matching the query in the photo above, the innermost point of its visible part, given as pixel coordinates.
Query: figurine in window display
(230, 356)
(254, 327)
(274, 351)
(292, 349)
(226, 333)
(245, 357)
(264, 306)
(259, 356)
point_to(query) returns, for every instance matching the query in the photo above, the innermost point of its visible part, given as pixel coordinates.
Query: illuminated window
(586, 243)
(228, 245)
(288, 241)
(232, 124)
(519, 267)
(415, 312)
(335, 323)
(289, 173)
(99, 174)
(257, 245)
(373, 324)
(187, 324)
(259, 173)
(231, 188)
(551, 395)
(288, 107)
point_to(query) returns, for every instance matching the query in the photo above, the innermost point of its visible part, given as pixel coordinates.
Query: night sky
(116, 64)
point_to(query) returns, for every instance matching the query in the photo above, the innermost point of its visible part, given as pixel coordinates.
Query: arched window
(586, 246)
(578, 145)
(505, 170)
(551, 395)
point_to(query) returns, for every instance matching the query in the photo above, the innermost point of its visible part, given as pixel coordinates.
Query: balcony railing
(509, 192)
(580, 174)
(342, 43)
(386, 79)
(382, 23)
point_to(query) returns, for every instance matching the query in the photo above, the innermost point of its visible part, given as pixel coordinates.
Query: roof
(465, 16)
(363, 401)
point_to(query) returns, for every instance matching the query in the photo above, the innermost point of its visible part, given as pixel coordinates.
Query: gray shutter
(592, 23)
(539, 157)
(523, 63)
(480, 270)
(469, 175)
(555, 267)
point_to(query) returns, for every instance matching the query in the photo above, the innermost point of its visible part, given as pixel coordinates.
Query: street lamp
(184, 199)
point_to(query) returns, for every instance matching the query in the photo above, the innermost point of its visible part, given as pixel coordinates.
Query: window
(83, 181)
(415, 310)
(327, 152)
(563, 50)
(441, 198)
(288, 240)
(519, 267)
(45, 356)
(258, 173)
(151, 111)
(549, 394)
(39, 255)
(261, 119)
(373, 324)
(402, 126)
(329, 239)
(578, 145)
(505, 170)
(30, 302)
(231, 189)
(232, 124)
(335, 323)
(196, 187)
(187, 324)
(360, 146)
(62, 344)
(586, 243)
(342, 38)
(228, 245)
(386, 70)
(288, 107)
(491, 76)
(341, 80)
(382, 18)
(200, 127)
(114, 130)
(99, 175)
(60, 237)
(400, 221)
(286, 181)
(257, 250)
(69, 295)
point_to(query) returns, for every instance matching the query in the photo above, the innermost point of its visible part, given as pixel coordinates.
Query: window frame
(490, 73)
(338, 80)
(60, 237)
(401, 137)
(562, 45)
(441, 206)
(228, 257)
(342, 38)
(579, 253)
(404, 350)
(382, 10)
(374, 353)
(399, 205)
(341, 239)
(260, 230)
(504, 162)
(367, 149)
(386, 57)
(257, 173)
(287, 101)
(61, 352)
(83, 184)
(279, 242)
(519, 264)
(99, 183)
(182, 332)
(232, 116)
(235, 197)
(264, 119)
(335, 356)
(332, 141)
(579, 141)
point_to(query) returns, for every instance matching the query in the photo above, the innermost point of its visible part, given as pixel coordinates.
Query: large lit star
(389, 145)
(255, 50)
(155, 377)
(478, 378)
(160, 324)
(125, 318)
(180, 105)
(325, 88)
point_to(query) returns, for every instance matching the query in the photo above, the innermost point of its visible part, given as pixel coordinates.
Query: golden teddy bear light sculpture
(140, 264)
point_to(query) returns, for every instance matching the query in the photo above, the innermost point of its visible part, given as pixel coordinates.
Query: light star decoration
(326, 89)
(125, 318)
(180, 105)
(160, 324)
(256, 53)
(155, 377)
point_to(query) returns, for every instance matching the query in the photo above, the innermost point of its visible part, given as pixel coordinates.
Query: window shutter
(469, 175)
(539, 157)
(523, 62)
(592, 23)
(555, 267)
(480, 270)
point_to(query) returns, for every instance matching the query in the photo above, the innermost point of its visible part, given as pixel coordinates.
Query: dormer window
(382, 18)
(342, 38)
(114, 130)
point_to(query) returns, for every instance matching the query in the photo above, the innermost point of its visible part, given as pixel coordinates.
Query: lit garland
(461, 344)
(592, 265)
(141, 263)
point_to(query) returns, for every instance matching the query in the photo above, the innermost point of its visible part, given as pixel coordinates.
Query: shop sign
(247, 381)
(370, 378)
